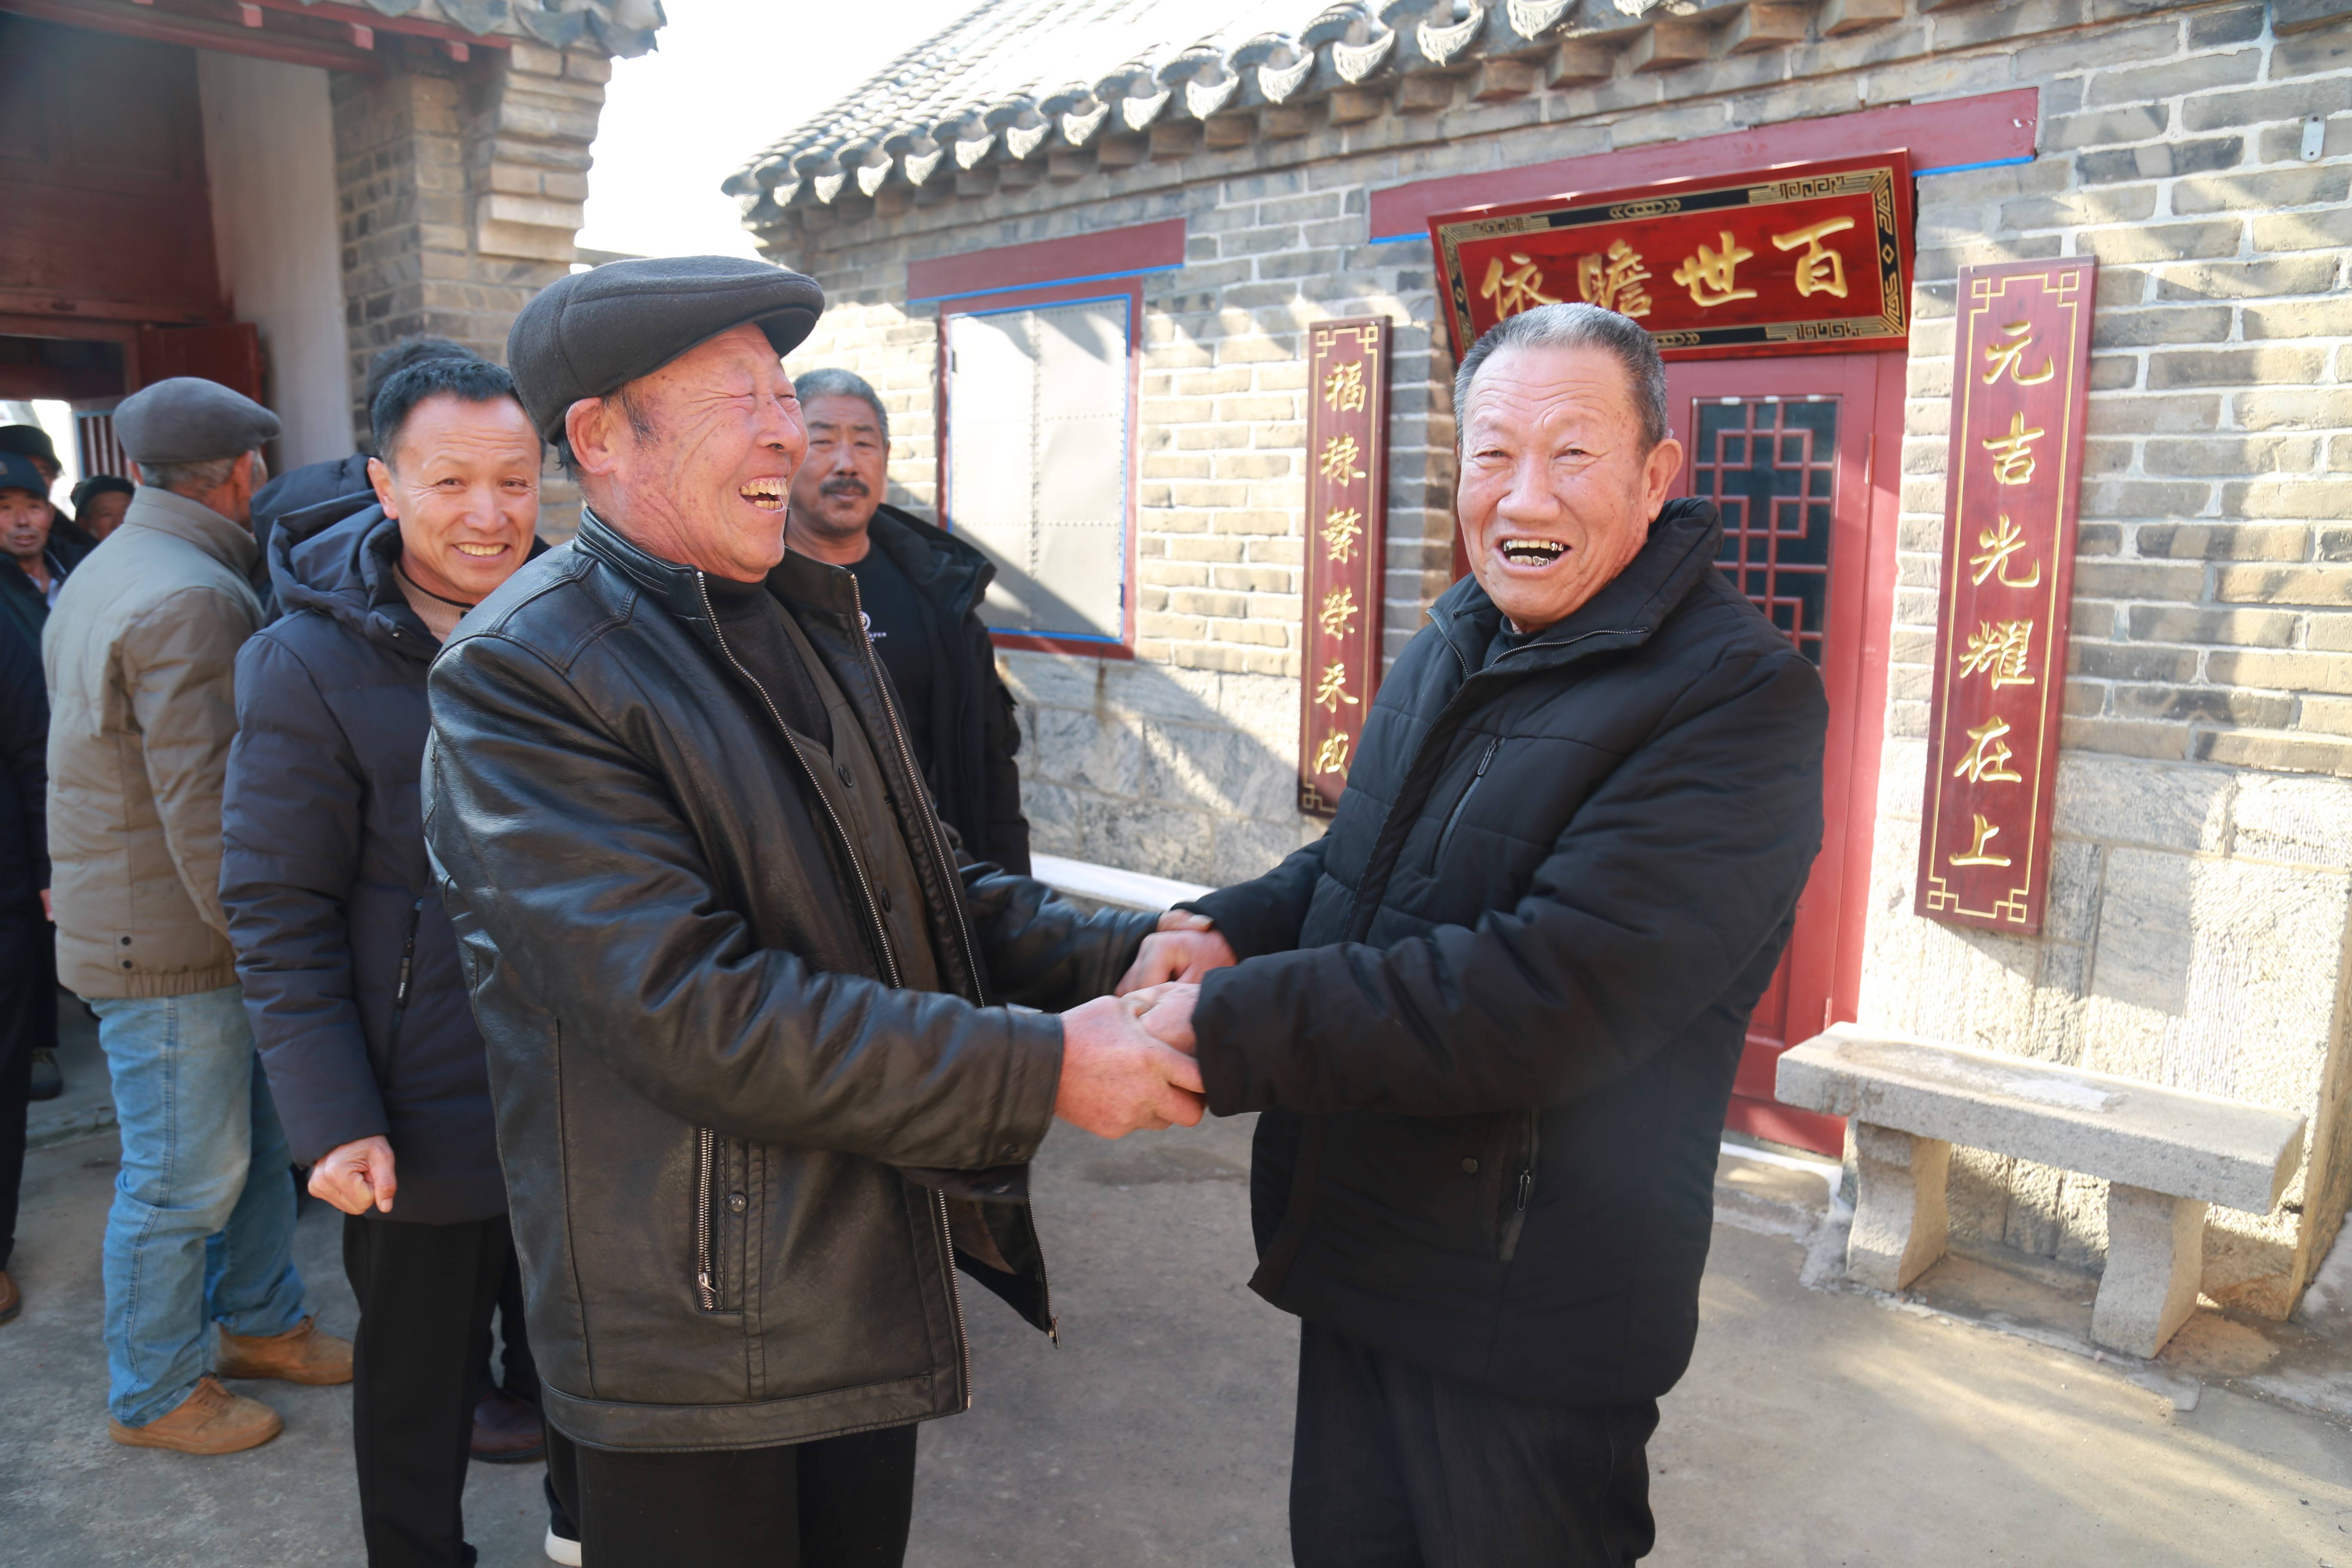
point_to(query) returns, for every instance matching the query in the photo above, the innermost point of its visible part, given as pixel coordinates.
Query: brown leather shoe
(508, 1430)
(12, 1301)
(300, 1354)
(210, 1420)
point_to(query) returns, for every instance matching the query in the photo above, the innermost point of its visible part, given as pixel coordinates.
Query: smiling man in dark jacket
(757, 1098)
(348, 962)
(1492, 1017)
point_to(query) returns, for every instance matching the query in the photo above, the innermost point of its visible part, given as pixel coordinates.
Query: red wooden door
(1798, 454)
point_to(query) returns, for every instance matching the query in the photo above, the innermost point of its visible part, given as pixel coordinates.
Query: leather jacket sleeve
(1040, 950)
(1264, 915)
(1671, 877)
(559, 845)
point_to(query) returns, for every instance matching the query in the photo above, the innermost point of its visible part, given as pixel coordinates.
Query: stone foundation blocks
(1900, 1223)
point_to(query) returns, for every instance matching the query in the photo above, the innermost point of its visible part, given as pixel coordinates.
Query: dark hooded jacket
(974, 734)
(347, 960)
(23, 776)
(342, 481)
(1493, 1015)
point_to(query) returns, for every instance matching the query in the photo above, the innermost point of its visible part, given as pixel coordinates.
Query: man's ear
(1658, 471)
(589, 426)
(380, 477)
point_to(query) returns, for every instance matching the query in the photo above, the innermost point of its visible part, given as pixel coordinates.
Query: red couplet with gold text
(1347, 508)
(1801, 257)
(2020, 379)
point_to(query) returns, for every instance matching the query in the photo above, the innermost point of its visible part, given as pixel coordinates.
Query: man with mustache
(1492, 1017)
(758, 1096)
(919, 588)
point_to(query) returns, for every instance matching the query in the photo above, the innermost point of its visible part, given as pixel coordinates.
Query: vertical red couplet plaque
(1347, 512)
(2020, 377)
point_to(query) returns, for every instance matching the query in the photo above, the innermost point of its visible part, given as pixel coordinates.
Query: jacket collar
(1683, 540)
(230, 543)
(944, 569)
(679, 589)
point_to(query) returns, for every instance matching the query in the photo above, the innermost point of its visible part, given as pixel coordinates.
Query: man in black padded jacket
(1492, 1017)
(758, 1098)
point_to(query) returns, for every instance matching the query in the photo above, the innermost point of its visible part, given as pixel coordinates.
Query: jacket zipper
(707, 1142)
(1453, 817)
(972, 967)
(707, 1146)
(407, 969)
(1518, 1219)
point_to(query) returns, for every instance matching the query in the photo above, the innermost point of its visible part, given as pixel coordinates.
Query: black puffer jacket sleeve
(557, 841)
(1265, 915)
(291, 836)
(24, 751)
(1669, 878)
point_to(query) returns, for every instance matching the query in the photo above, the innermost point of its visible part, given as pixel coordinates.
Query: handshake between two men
(1128, 1062)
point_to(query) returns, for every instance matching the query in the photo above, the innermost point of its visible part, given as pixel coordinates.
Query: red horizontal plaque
(1806, 258)
(2020, 379)
(1346, 511)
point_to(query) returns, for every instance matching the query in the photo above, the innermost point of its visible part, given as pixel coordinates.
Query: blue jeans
(203, 1222)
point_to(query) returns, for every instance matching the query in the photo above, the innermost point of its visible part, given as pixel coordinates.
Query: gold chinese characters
(1709, 275)
(1999, 650)
(1995, 546)
(1343, 388)
(1612, 279)
(1331, 756)
(1517, 290)
(1820, 270)
(2012, 455)
(2005, 357)
(1337, 612)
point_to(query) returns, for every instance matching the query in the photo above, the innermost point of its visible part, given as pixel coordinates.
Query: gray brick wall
(461, 194)
(2202, 873)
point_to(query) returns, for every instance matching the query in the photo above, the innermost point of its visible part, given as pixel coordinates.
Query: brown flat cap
(588, 334)
(190, 420)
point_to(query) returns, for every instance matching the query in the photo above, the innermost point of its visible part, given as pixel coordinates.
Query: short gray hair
(188, 478)
(1575, 327)
(831, 382)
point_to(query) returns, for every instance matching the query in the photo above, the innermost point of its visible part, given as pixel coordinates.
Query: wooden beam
(1839, 17)
(1668, 43)
(1423, 92)
(1175, 138)
(137, 20)
(1283, 121)
(1581, 61)
(1494, 80)
(1354, 105)
(1765, 25)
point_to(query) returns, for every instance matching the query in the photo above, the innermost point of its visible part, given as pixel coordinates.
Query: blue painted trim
(1127, 300)
(1963, 168)
(1916, 174)
(995, 632)
(1043, 283)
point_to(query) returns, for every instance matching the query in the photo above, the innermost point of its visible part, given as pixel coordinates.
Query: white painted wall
(269, 152)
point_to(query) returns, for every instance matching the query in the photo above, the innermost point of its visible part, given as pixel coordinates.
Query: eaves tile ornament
(998, 82)
(1440, 45)
(625, 27)
(1533, 18)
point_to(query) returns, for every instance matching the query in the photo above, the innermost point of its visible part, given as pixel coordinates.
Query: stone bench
(1109, 885)
(2166, 1153)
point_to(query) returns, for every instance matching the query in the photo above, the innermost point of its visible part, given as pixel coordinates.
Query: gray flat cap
(587, 334)
(190, 420)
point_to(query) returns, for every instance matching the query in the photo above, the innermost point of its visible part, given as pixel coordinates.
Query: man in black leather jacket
(1492, 1019)
(758, 1096)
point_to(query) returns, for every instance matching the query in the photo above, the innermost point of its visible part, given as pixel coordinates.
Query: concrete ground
(1816, 1426)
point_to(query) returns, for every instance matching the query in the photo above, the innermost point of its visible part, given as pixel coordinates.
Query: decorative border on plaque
(1345, 557)
(2020, 385)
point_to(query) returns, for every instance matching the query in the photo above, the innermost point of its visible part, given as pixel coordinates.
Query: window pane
(1037, 443)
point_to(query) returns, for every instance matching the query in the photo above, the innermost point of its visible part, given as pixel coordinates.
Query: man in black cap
(141, 657)
(67, 535)
(758, 1097)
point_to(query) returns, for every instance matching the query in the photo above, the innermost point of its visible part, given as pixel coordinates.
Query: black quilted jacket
(1493, 1015)
(739, 1162)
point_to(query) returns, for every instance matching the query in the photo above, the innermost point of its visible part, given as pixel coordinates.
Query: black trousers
(426, 1295)
(28, 1020)
(837, 1502)
(1395, 1467)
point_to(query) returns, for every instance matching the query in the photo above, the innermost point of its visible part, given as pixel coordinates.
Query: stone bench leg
(2156, 1256)
(1900, 1223)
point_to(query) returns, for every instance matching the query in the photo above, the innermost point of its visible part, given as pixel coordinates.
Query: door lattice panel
(1769, 467)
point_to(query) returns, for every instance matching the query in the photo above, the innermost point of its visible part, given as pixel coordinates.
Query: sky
(730, 77)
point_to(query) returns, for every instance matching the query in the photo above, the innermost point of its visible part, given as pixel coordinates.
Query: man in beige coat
(141, 650)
